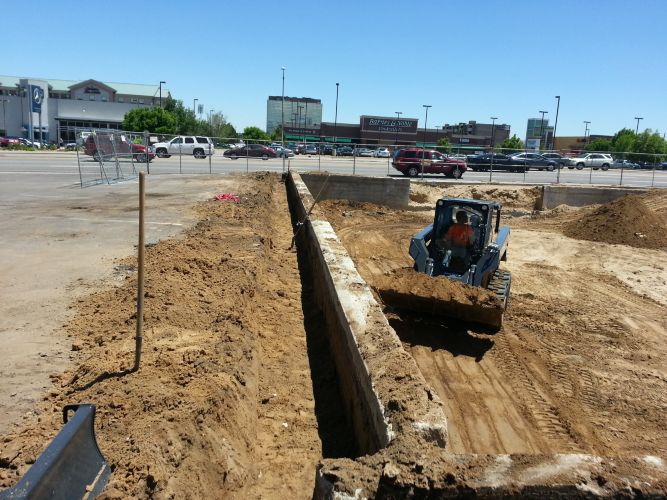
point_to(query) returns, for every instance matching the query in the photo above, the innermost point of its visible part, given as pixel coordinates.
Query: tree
(511, 145)
(186, 121)
(443, 145)
(276, 135)
(649, 146)
(599, 145)
(155, 120)
(254, 134)
(623, 141)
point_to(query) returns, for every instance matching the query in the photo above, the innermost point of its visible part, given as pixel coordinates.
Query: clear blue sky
(468, 59)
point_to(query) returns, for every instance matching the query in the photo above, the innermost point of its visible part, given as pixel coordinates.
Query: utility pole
(553, 137)
(398, 117)
(161, 82)
(282, 120)
(637, 128)
(336, 118)
(426, 106)
(586, 133)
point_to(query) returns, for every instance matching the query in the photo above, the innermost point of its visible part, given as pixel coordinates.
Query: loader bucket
(406, 289)
(71, 467)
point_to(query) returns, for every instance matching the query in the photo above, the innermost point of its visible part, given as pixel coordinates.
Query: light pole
(4, 118)
(493, 143)
(161, 82)
(425, 106)
(542, 127)
(637, 129)
(336, 120)
(398, 117)
(586, 132)
(282, 120)
(553, 137)
(194, 107)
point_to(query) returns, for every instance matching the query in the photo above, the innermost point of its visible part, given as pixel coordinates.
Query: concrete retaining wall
(383, 390)
(381, 190)
(578, 196)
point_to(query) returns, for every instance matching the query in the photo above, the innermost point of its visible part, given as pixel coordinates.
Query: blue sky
(468, 59)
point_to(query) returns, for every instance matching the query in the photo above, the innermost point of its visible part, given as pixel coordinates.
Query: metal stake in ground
(140, 280)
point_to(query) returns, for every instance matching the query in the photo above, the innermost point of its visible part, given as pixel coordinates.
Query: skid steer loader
(474, 262)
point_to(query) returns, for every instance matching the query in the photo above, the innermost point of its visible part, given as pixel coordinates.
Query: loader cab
(455, 259)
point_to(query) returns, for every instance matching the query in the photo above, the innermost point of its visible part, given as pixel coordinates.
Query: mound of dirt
(439, 296)
(525, 197)
(626, 221)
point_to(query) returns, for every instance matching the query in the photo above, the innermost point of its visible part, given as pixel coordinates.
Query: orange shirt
(460, 234)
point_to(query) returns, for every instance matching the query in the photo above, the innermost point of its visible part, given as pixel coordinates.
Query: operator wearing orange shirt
(460, 234)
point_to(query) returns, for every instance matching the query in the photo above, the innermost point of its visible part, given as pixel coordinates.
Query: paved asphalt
(61, 169)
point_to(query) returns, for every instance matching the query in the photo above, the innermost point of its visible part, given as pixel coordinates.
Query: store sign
(302, 131)
(92, 90)
(389, 125)
(37, 97)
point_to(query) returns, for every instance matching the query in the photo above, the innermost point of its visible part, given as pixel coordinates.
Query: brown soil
(223, 404)
(439, 296)
(579, 365)
(518, 197)
(626, 221)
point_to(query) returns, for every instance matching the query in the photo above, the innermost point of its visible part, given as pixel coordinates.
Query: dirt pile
(626, 221)
(409, 290)
(520, 197)
(223, 402)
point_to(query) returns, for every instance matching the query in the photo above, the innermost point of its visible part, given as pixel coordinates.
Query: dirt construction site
(271, 367)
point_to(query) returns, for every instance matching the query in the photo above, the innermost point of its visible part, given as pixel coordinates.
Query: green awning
(428, 145)
(294, 137)
(338, 139)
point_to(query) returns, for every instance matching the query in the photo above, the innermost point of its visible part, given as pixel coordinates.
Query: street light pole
(336, 119)
(553, 137)
(542, 127)
(282, 120)
(426, 106)
(161, 82)
(637, 129)
(586, 133)
(398, 117)
(493, 143)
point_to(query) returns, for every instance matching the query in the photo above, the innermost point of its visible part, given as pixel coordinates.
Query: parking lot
(62, 167)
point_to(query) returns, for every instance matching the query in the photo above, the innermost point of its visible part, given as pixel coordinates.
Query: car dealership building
(57, 107)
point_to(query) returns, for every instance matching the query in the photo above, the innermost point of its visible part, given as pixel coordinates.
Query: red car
(115, 144)
(254, 150)
(9, 141)
(413, 161)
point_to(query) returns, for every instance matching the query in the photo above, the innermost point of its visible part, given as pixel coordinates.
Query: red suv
(410, 162)
(120, 147)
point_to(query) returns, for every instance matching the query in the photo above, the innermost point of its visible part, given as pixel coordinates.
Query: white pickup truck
(200, 147)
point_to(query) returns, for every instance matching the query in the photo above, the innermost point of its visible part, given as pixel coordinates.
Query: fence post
(620, 182)
(140, 279)
(180, 158)
(354, 161)
(148, 153)
(209, 156)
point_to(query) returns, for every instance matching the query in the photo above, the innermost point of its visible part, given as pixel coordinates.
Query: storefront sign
(389, 125)
(302, 131)
(37, 97)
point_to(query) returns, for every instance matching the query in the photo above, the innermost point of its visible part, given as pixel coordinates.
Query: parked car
(618, 163)
(199, 147)
(413, 161)
(533, 160)
(310, 149)
(283, 152)
(344, 151)
(594, 160)
(363, 152)
(381, 153)
(9, 141)
(252, 150)
(663, 165)
(560, 160)
(483, 163)
(121, 146)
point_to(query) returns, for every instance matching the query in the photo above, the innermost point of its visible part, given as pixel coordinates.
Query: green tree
(276, 135)
(254, 134)
(599, 145)
(511, 145)
(649, 146)
(186, 121)
(154, 120)
(444, 145)
(623, 141)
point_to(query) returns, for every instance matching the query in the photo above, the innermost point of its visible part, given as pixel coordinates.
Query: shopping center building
(58, 107)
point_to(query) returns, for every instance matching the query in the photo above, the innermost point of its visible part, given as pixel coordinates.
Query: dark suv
(412, 162)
